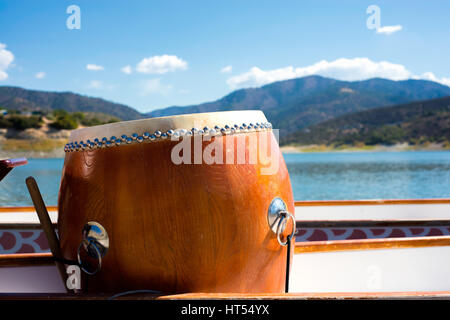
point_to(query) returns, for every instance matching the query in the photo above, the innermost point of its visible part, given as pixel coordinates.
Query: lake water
(314, 176)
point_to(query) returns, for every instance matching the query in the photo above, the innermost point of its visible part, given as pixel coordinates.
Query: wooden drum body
(178, 227)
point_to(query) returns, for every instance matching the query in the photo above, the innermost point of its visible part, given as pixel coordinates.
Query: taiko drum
(179, 204)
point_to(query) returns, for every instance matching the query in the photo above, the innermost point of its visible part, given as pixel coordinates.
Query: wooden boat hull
(326, 273)
(401, 267)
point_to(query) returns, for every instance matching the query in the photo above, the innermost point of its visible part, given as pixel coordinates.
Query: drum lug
(274, 214)
(93, 232)
(95, 241)
(277, 217)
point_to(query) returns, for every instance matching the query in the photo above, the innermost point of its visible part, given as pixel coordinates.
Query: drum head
(164, 124)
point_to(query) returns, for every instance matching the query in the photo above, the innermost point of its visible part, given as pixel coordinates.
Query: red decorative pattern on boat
(23, 241)
(34, 241)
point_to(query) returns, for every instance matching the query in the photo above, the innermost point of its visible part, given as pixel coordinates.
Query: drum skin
(176, 228)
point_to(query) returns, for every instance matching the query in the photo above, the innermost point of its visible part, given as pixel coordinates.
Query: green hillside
(14, 98)
(414, 123)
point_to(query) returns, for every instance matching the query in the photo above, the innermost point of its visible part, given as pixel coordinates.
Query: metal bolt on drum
(277, 216)
(95, 241)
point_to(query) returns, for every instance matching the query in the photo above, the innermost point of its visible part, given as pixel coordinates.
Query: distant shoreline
(32, 148)
(57, 153)
(364, 148)
(40, 150)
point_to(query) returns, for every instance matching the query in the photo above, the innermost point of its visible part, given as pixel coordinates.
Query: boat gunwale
(298, 203)
(371, 244)
(370, 202)
(33, 259)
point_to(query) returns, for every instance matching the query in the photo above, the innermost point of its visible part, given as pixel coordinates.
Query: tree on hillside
(64, 120)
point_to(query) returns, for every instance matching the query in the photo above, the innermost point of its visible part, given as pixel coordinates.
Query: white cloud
(226, 69)
(40, 75)
(94, 67)
(126, 69)
(154, 86)
(431, 77)
(6, 58)
(161, 64)
(341, 69)
(389, 29)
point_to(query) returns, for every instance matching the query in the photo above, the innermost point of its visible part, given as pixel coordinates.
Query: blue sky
(149, 54)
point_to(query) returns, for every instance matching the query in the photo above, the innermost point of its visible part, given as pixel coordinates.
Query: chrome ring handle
(95, 241)
(277, 214)
(90, 244)
(285, 215)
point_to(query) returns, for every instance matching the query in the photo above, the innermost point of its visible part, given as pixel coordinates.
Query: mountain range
(414, 123)
(298, 103)
(291, 105)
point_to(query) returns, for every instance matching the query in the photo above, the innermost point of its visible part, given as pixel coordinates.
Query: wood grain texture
(24, 209)
(26, 259)
(368, 244)
(176, 228)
